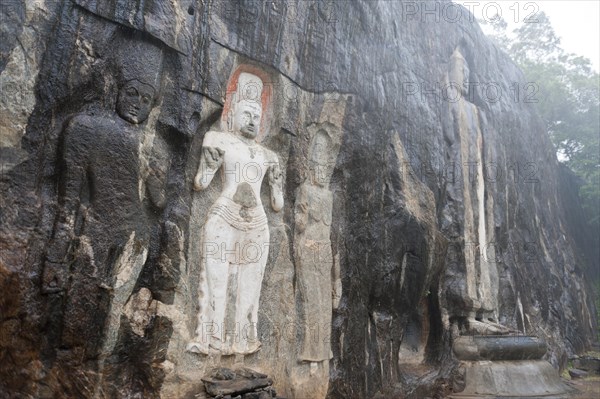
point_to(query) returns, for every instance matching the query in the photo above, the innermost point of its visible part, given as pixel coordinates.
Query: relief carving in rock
(317, 272)
(101, 235)
(234, 241)
(479, 298)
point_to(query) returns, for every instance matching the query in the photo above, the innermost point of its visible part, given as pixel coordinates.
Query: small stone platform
(506, 367)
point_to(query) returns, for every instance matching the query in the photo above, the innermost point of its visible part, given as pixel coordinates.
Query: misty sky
(576, 22)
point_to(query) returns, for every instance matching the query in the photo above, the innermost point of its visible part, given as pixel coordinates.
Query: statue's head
(135, 101)
(246, 108)
(459, 71)
(246, 118)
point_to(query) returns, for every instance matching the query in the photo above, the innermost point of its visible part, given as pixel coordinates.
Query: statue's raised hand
(275, 178)
(213, 156)
(211, 160)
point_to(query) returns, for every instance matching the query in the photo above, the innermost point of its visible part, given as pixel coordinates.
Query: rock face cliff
(440, 202)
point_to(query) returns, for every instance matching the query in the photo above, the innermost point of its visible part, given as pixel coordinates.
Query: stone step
(511, 379)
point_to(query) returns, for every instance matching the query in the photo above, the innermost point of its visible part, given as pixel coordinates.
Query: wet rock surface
(106, 307)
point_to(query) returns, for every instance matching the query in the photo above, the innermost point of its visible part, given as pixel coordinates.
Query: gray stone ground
(588, 388)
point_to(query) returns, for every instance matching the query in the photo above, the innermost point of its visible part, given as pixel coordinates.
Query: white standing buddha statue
(235, 237)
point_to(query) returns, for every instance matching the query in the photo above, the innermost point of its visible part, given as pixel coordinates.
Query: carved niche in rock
(234, 241)
(100, 239)
(318, 275)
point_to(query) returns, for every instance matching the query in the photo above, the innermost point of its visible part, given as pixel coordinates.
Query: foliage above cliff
(569, 99)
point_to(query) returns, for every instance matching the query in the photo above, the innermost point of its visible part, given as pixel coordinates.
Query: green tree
(569, 100)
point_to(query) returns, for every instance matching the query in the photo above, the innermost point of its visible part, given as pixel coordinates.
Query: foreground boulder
(248, 384)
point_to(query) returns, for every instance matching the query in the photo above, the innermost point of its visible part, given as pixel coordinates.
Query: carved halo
(249, 82)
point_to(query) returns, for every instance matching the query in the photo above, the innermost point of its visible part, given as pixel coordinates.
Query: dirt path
(588, 388)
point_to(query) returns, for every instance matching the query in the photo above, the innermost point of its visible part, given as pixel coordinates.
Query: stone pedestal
(506, 367)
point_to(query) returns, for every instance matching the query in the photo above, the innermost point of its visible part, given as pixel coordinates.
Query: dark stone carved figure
(100, 240)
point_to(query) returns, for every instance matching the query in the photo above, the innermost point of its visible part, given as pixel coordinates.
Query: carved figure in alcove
(478, 297)
(317, 272)
(100, 239)
(235, 237)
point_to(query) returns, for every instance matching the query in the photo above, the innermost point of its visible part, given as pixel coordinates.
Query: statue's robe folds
(235, 247)
(314, 264)
(103, 222)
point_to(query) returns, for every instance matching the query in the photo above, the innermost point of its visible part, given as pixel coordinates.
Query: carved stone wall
(100, 262)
